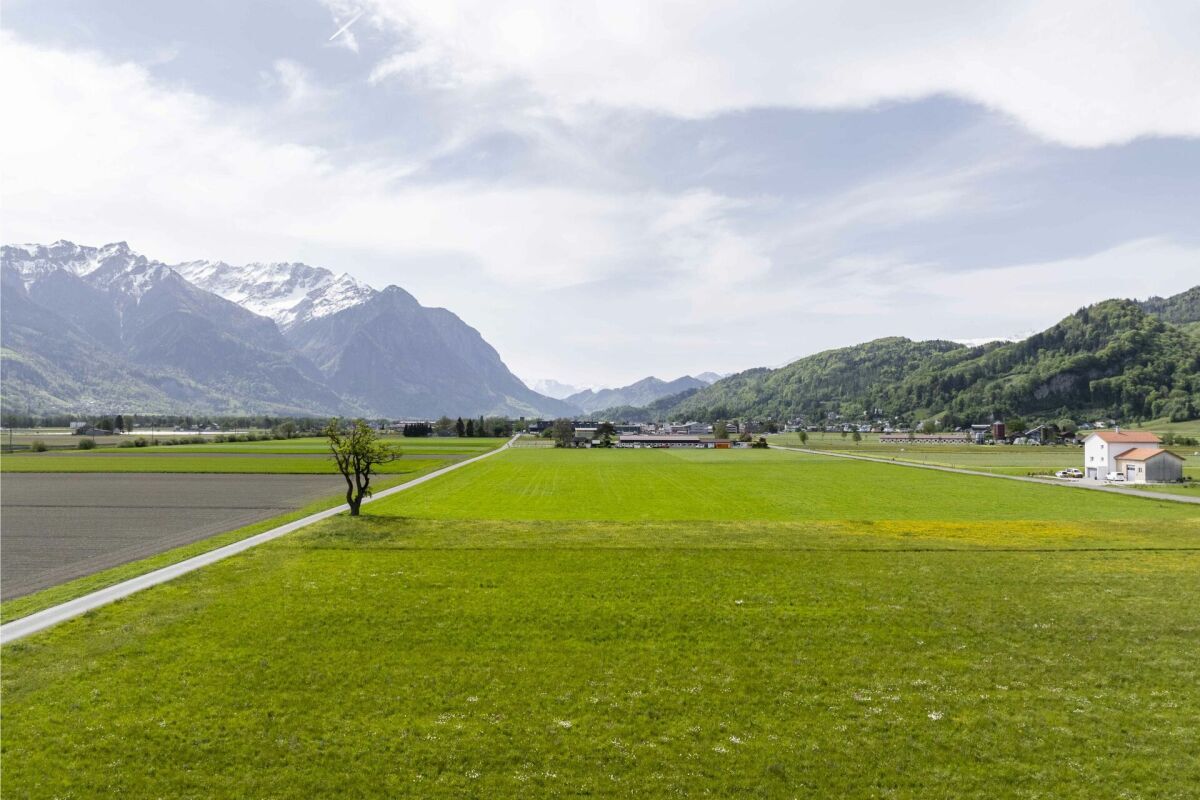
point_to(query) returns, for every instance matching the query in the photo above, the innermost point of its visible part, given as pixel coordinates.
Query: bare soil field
(57, 527)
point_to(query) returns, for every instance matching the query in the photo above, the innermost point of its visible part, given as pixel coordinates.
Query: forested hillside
(1117, 358)
(1112, 358)
(851, 380)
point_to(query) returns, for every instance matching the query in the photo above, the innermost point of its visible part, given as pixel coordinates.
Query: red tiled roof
(1127, 437)
(1144, 454)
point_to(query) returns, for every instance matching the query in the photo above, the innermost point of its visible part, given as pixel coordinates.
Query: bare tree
(358, 451)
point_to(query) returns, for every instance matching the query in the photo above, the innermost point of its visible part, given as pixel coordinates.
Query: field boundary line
(48, 617)
(1023, 478)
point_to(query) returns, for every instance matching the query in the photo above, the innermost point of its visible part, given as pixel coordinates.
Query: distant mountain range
(106, 329)
(640, 393)
(1117, 358)
(643, 392)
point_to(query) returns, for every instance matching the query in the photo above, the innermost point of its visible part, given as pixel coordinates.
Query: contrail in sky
(346, 27)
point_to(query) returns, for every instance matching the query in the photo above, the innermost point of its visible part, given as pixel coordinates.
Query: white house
(1101, 449)
(1150, 465)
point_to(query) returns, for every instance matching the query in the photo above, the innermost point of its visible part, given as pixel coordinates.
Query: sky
(609, 191)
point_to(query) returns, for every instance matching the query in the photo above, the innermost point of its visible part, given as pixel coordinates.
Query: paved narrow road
(1095, 487)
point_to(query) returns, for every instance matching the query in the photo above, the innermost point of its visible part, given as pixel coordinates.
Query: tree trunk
(355, 503)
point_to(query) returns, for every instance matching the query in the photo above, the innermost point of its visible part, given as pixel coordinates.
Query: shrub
(140, 442)
(38, 446)
(86, 444)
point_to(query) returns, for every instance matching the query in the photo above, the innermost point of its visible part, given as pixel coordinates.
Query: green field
(1160, 426)
(647, 623)
(740, 485)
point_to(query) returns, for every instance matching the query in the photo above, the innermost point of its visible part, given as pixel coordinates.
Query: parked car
(1069, 473)
(1115, 476)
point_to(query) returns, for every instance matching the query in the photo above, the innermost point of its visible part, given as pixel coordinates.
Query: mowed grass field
(647, 623)
(747, 485)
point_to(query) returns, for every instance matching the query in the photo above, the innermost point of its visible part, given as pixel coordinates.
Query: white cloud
(294, 81)
(1070, 70)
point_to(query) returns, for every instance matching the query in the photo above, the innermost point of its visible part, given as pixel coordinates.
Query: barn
(1150, 465)
(1102, 449)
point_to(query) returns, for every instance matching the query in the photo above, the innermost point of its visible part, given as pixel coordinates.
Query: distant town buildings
(672, 440)
(925, 438)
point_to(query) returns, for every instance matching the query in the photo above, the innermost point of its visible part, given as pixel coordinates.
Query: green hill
(849, 380)
(1116, 358)
(1112, 358)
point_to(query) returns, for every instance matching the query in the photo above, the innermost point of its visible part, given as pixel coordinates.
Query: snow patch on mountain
(132, 278)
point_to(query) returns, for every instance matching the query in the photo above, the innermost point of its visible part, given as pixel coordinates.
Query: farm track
(1148, 495)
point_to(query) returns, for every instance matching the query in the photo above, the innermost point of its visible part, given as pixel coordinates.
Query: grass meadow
(646, 623)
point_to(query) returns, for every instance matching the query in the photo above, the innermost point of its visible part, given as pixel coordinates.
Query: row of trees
(471, 427)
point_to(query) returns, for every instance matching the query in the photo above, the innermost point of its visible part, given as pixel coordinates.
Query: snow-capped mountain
(159, 341)
(35, 261)
(104, 328)
(553, 388)
(288, 293)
